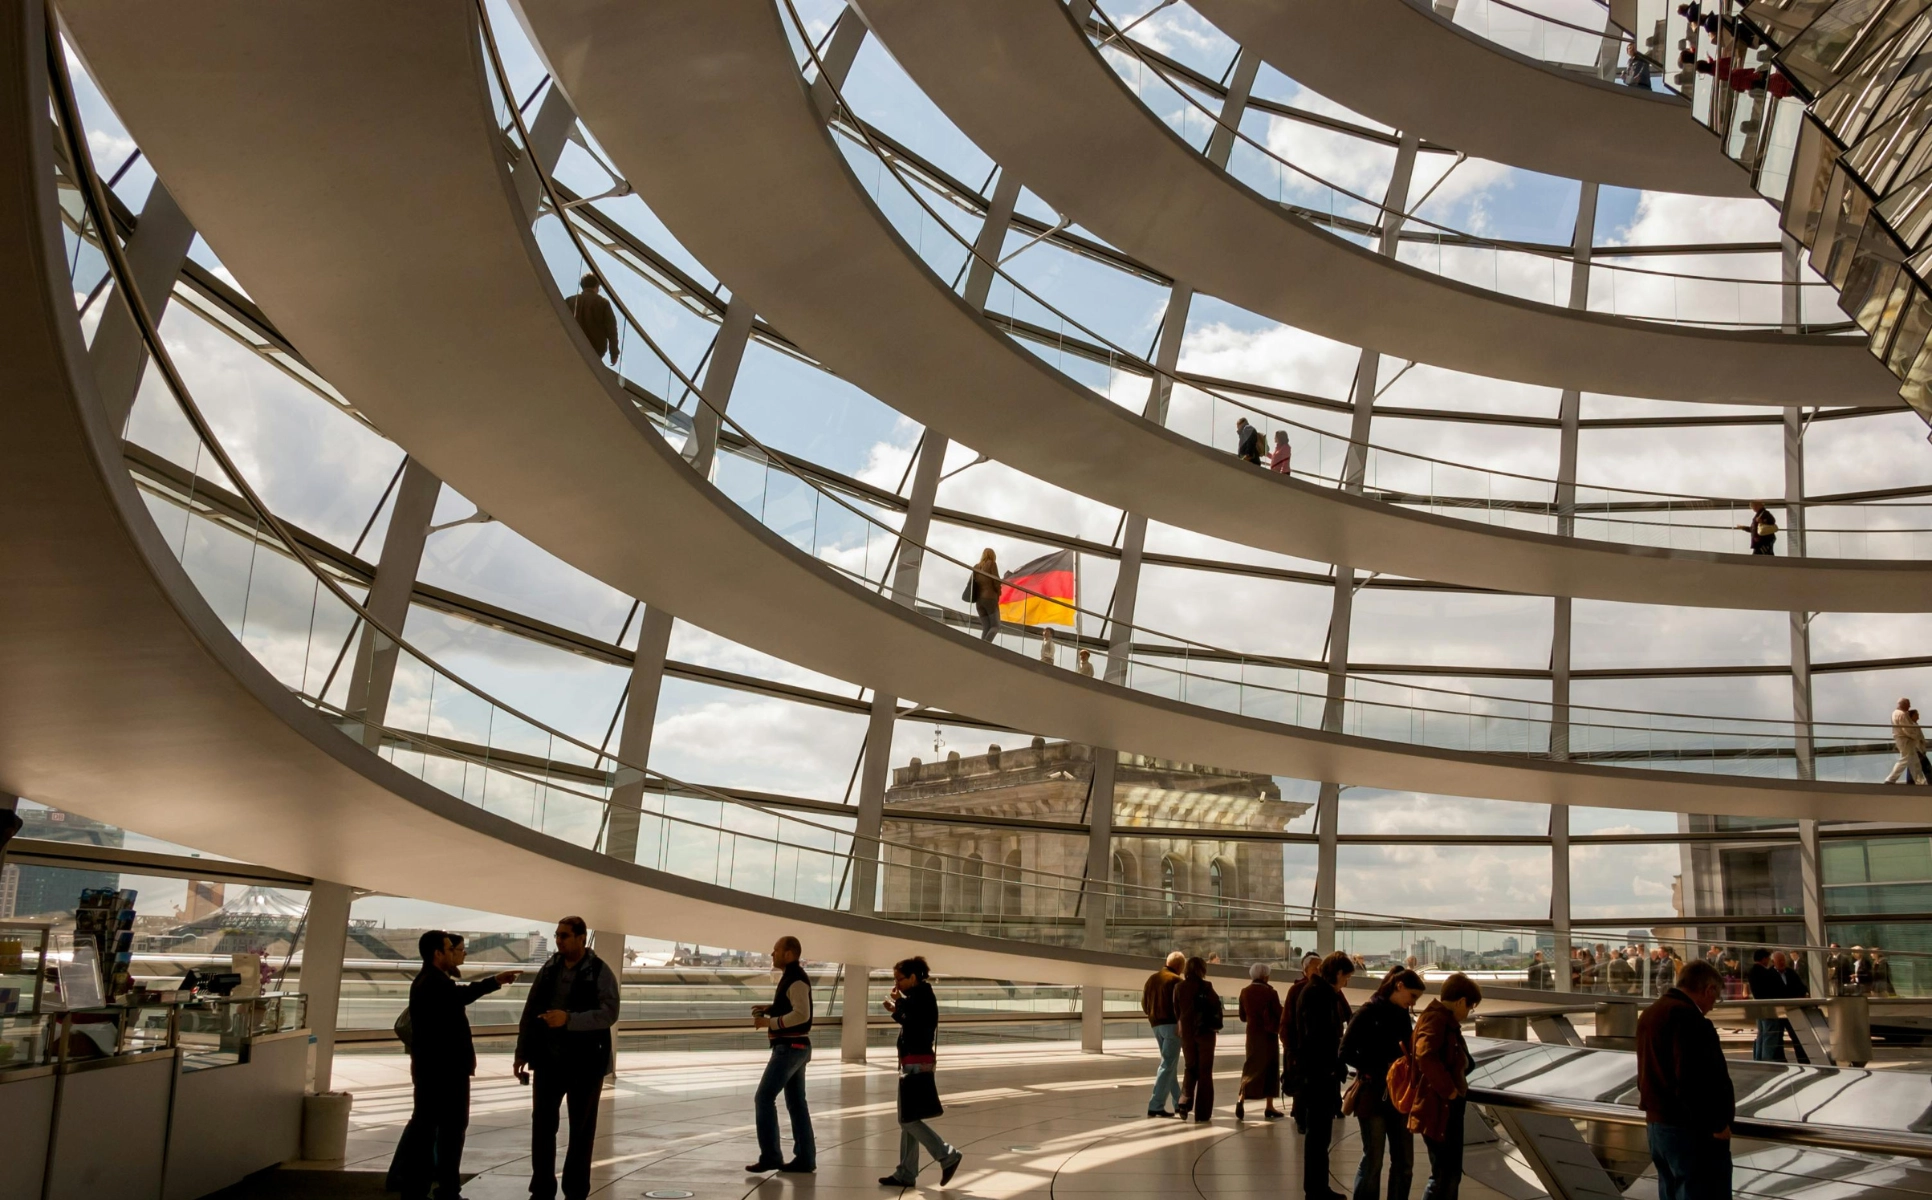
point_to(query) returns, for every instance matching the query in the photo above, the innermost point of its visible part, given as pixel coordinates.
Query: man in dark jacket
(1320, 1017)
(1685, 1086)
(441, 1061)
(1765, 984)
(564, 1036)
(596, 318)
(1157, 1005)
(1247, 446)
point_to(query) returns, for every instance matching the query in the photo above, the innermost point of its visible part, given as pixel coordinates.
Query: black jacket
(1320, 1018)
(541, 1046)
(439, 1028)
(918, 1016)
(1682, 1076)
(1375, 1039)
(1765, 984)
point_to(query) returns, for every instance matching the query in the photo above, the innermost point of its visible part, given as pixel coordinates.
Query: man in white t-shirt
(1910, 740)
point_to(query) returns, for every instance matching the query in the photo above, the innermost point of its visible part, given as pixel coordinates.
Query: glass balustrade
(933, 226)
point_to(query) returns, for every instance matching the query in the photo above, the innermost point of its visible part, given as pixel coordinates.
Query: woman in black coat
(1377, 1036)
(916, 1009)
(1320, 1016)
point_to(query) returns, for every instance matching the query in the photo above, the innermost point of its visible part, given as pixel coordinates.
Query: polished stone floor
(1039, 1119)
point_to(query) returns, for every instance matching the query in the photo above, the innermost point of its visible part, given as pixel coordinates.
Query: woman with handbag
(1260, 1010)
(1441, 1079)
(914, 1007)
(1198, 1018)
(1376, 1038)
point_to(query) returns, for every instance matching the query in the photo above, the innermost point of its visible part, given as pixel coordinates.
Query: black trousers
(1314, 1154)
(431, 1148)
(578, 1085)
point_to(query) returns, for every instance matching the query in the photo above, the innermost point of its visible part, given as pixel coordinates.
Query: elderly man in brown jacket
(1157, 1004)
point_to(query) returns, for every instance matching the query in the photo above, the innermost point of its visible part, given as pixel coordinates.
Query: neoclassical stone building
(1172, 886)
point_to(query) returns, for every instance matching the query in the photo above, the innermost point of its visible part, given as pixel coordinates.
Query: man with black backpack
(435, 1031)
(564, 1036)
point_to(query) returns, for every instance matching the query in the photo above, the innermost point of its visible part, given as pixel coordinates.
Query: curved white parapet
(1021, 80)
(731, 154)
(345, 165)
(1400, 63)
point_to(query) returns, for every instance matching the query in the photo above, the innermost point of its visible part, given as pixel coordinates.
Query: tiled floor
(1034, 1120)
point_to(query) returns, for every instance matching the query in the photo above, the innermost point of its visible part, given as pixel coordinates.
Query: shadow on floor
(277, 1183)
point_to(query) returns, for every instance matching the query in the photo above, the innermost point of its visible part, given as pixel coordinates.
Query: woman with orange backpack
(1439, 1083)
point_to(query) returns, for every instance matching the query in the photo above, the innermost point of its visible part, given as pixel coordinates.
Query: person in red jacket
(1685, 1086)
(1443, 1061)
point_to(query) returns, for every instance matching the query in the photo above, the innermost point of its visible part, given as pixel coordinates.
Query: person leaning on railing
(1685, 1086)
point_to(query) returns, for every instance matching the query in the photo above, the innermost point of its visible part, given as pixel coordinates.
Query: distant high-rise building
(53, 891)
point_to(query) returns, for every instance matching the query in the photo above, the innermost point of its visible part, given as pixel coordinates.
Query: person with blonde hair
(983, 589)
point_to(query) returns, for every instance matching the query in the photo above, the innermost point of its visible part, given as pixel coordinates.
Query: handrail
(1465, 237)
(1756, 1128)
(690, 387)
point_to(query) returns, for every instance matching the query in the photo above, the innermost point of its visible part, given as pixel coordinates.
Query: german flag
(1041, 592)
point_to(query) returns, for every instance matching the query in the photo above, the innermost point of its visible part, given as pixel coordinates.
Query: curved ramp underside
(1021, 80)
(1400, 63)
(726, 146)
(345, 165)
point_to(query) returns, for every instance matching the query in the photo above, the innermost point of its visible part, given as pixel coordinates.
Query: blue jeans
(1691, 1164)
(1382, 1126)
(784, 1073)
(912, 1135)
(1769, 1046)
(1445, 1157)
(1167, 1078)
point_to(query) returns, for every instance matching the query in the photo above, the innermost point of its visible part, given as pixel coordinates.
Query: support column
(1099, 894)
(325, 936)
(548, 133)
(1810, 872)
(654, 627)
(1342, 610)
(1570, 418)
(848, 34)
(156, 252)
(388, 600)
(869, 820)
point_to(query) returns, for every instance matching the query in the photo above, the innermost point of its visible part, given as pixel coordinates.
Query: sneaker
(893, 1180)
(948, 1168)
(1160, 1112)
(798, 1167)
(764, 1164)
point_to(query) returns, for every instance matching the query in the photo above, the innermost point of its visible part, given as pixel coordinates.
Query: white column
(848, 34)
(1810, 872)
(325, 936)
(156, 252)
(388, 599)
(1569, 415)
(1099, 893)
(654, 626)
(1341, 612)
